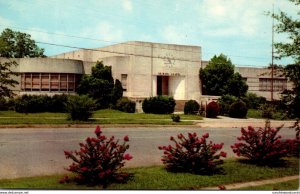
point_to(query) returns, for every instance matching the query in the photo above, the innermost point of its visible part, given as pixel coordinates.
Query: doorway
(162, 85)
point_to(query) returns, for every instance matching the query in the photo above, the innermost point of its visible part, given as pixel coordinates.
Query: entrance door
(162, 85)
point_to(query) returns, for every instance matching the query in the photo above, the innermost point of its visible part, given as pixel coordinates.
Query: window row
(279, 85)
(49, 82)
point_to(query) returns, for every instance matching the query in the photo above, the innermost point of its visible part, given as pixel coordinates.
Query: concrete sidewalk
(254, 183)
(227, 122)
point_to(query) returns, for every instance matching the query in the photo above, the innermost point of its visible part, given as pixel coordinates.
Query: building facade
(145, 69)
(148, 69)
(259, 81)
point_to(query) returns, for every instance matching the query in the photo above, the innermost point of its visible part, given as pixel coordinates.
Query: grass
(100, 117)
(287, 185)
(253, 113)
(156, 177)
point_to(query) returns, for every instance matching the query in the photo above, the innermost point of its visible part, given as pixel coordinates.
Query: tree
(15, 44)
(99, 85)
(218, 78)
(6, 80)
(290, 26)
(117, 92)
(237, 86)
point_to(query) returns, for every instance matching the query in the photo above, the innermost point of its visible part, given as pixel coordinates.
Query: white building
(148, 69)
(145, 69)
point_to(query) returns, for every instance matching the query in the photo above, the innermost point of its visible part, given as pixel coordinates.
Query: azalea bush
(192, 154)
(99, 160)
(262, 145)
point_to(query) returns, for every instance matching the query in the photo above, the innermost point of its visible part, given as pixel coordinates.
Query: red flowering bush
(212, 110)
(262, 145)
(192, 154)
(99, 159)
(295, 149)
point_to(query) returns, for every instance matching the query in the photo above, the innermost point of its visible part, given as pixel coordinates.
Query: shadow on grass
(215, 171)
(277, 164)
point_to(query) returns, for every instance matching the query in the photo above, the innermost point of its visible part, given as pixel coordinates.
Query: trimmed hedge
(40, 103)
(159, 105)
(191, 107)
(238, 110)
(212, 110)
(125, 105)
(224, 102)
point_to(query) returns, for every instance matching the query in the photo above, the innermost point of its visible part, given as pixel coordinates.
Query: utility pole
(272, 64)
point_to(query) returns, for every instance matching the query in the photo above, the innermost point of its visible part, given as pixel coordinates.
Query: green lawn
(253, 113)
(287, 185)
(100, 117)
(157, 177)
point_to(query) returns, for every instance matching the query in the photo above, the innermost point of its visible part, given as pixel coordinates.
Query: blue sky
(239, 29)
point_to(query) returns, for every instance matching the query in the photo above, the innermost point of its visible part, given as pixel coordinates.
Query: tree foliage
(218, 78)
(100, 86)
(291, 27)
(117, 92)
(6, 78)
(15, 44)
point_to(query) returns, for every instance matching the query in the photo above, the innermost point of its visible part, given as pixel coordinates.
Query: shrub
(58, 103)
(159, 105)
(295, 148)
(30, 104)
(3, 104)
(40, 103)
(267, 111)
(191, 107)
(212, 110)
(262, 145)
(175, 118)
(125, 105)
(11, 104)
(192, 154)
(224, 102)
(99, 160)
(80, 107)
(238, 110)
(253, 101)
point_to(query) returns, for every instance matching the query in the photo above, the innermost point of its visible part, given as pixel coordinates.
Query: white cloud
(39, 35)
(183, 34)
(172, 34)
(233, 17)
(103, 31)
(5, 23)
(127, 5)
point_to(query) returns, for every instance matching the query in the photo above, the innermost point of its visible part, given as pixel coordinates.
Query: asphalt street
(39, 151)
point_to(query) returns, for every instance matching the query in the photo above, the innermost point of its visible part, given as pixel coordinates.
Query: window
(49, 81)
(278, 84)
(45, 79)
(124, 81)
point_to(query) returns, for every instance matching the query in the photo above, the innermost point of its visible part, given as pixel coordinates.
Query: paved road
(30, 152)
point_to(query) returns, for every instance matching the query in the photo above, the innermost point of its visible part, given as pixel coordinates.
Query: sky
(240, 29)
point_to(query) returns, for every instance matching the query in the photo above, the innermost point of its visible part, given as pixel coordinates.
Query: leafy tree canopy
(6, 79)
(100, 86)
(15, 44)
(218, 78)
(291, 27)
